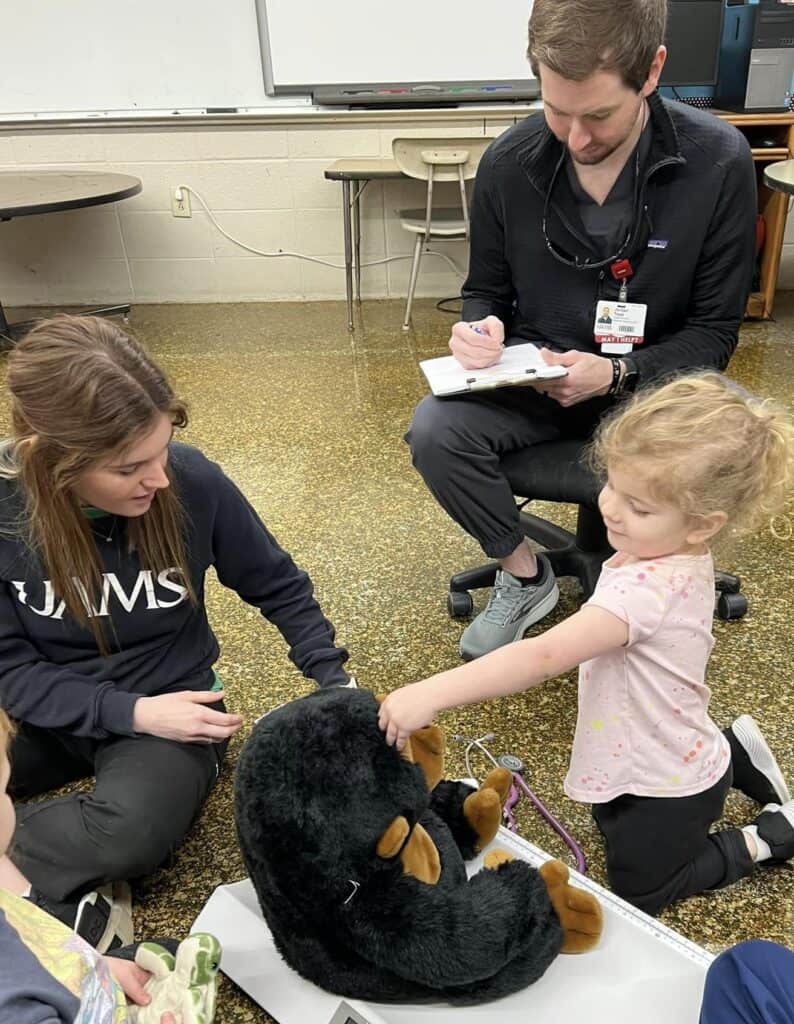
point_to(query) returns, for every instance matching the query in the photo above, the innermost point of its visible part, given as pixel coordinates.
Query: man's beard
(599, 156)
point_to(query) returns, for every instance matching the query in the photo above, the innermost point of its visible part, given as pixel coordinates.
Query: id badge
(619, 326)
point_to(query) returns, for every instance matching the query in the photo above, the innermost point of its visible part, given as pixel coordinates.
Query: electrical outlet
(180, 202)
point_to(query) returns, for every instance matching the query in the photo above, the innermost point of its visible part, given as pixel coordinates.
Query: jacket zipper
(645, 214)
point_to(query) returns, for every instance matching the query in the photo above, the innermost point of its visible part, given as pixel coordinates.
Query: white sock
(762, 851)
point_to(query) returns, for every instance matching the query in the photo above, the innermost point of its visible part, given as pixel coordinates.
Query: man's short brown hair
(575, 38)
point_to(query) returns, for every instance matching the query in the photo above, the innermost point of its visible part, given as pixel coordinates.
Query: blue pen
(478, 330)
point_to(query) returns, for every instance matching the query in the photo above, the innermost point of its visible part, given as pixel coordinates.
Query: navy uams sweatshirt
(51, 672)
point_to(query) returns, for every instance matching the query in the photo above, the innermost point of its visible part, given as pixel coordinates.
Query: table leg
(357, 190)
(348, 251)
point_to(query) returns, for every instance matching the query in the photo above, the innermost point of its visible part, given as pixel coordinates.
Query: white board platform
(641, 970)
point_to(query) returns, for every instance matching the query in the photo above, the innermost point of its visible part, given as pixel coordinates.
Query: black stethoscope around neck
(587, 262)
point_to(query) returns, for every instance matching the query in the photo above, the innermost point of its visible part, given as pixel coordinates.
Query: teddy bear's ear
(424, 747)
(420, 857)
(427, 746)
(393, 838)
(407, 752)
(417, 850)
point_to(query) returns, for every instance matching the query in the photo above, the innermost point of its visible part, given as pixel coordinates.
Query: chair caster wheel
(731, 606)
(459, 605)
(726, 583)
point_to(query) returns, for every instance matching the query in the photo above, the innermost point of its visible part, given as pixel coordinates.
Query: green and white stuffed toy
(185, 985)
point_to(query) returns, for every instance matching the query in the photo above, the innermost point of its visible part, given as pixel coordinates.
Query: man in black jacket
(610, 198)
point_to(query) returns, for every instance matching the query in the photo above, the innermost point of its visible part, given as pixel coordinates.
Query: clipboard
(519, 366)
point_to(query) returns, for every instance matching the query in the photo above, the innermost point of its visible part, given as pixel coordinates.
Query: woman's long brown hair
(83, 391)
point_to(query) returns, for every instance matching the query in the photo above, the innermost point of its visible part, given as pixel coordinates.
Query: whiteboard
(638, 963)
(310, 43)
(105, 55)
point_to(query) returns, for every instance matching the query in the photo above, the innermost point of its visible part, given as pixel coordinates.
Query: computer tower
(756, 57)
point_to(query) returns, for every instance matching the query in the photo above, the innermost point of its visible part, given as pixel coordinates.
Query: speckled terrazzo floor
(309, 421)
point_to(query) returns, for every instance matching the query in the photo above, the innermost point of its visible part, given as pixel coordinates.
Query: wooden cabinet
(771, 138)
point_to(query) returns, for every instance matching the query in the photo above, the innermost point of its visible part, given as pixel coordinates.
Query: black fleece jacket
(51, 672)
(692, 248)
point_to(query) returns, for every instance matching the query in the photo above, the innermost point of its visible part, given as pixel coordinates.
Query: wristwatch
(631, 375)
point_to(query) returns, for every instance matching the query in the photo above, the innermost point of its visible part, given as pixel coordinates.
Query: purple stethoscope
(516, 767)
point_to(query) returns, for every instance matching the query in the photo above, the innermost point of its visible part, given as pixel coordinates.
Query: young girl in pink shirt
(681, 464)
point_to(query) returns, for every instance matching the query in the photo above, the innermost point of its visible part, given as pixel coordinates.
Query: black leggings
(659, 849)
(148, 792)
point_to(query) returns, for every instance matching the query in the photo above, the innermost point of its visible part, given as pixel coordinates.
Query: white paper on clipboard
(641, 969)
(519, 365)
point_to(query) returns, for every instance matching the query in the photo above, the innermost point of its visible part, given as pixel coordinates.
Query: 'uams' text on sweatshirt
(51, 672)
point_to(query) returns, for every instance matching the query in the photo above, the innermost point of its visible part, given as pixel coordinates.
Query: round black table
(26, 192)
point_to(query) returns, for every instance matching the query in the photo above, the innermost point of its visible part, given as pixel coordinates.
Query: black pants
(456, 444)
(659, 850)
(147, 794)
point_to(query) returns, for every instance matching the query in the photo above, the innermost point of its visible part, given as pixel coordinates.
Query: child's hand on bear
(403, 712)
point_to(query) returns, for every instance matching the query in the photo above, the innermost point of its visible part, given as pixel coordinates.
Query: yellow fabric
(70, 960)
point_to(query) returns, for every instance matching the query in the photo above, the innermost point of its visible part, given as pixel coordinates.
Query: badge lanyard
(621, 271)
(619, 327)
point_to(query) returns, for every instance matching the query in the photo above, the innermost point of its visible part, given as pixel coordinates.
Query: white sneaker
(104, 917)
(756, 773)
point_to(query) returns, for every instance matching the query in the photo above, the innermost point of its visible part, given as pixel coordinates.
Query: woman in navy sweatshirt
(107, 529)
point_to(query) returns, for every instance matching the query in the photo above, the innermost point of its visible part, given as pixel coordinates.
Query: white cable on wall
(303, 256)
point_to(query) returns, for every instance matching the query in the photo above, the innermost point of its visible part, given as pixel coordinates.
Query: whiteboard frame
(89, 58)
(525, 88)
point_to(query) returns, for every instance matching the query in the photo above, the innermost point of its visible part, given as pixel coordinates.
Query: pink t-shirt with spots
(643, 724)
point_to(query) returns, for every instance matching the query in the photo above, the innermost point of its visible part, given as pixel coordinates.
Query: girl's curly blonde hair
(703, 444)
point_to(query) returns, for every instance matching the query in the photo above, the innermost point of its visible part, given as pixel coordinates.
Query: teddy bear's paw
(499, 779)
(483, 811)
(579, 912)
(495, 858)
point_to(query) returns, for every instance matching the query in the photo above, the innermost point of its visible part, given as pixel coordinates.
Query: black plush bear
(357, 854)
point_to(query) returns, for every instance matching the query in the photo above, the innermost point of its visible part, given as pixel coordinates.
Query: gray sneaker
(511, 610)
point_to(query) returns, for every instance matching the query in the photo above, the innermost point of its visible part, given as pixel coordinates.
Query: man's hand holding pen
(478, 345)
